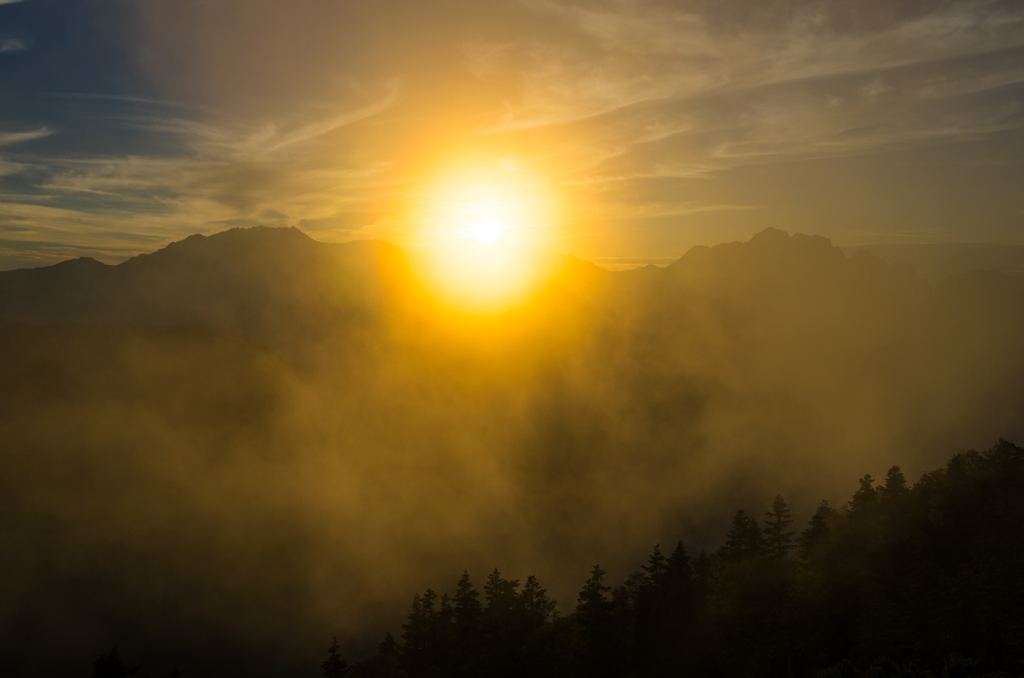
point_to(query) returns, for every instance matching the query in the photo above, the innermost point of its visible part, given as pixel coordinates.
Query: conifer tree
(414, 631)
(592, 603)
(818, 531)
(420, 633)
(385, 664)
(500, 593)
(467, 603)
(593, 614)
(428, 602)
(744, 539)
(334, 666)
(678, 569)
(538, 606)
(864, 497)
(895, 487)
(388, 646)
(777, 535)
(110, 665)
(656, 567)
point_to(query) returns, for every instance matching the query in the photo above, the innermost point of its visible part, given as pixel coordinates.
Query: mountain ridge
(277, 284)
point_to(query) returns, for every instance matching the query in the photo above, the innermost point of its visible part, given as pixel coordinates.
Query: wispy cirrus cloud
(226, 172)
(9, 138)
(647, 69)
(640, 92)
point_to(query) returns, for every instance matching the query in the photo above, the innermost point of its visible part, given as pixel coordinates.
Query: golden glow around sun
(481, 232)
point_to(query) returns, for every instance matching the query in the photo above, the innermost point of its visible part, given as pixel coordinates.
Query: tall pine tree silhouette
(592, 603)
(467, 602)
(539, 607)
(656, 567)
(818, 532)
(334, 666)
(895, 488)
(110, 665)
(865, 497)
(744, 539)
(776, 531)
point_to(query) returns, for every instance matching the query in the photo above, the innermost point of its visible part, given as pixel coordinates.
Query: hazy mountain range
(934, 262)
(231, 445)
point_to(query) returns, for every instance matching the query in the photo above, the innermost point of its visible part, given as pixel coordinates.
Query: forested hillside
(899, 581)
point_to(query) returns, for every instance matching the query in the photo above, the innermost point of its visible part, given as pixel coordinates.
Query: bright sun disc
(484, 231)
(485, 220)
(479, 231)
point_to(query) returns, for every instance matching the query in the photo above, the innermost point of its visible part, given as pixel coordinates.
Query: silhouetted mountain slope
(53, 293)
(795, 289)
(777, 279)
(274, 284)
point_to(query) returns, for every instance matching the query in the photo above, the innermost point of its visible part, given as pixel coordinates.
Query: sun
(484, 231)
(480, 233)
(486, 222)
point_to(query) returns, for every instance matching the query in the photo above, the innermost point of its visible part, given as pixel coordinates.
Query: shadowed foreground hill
(213, 453)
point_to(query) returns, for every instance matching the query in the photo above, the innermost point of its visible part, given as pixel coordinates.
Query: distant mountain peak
(771, 242)
(775, 260)
(247, 234)
(258, 232)
(773, 238)
(81, 262)
(770, 234)
(225, 244)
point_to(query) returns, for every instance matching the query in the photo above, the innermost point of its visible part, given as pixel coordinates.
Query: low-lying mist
(224, 453)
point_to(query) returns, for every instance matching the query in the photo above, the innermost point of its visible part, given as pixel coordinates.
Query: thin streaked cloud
(12, 45)
(9, 138)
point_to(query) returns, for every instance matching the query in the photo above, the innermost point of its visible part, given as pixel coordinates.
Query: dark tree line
(901, 581)
(110, 665)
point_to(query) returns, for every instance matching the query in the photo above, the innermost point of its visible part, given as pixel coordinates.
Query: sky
(620, 131)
